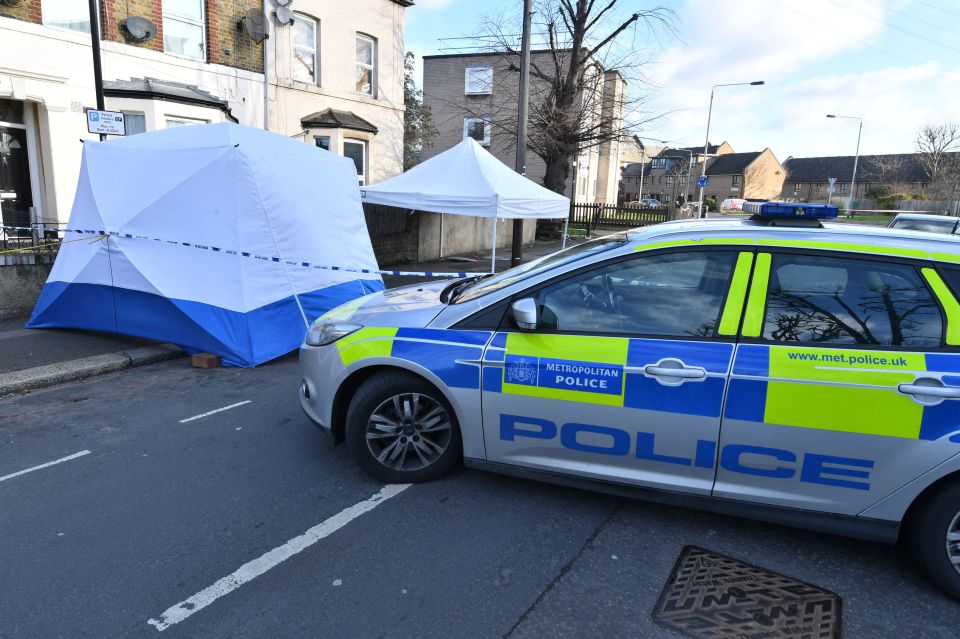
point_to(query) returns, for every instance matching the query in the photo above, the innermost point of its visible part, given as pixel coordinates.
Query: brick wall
(115, 12)
(28, 10)
(225, 43)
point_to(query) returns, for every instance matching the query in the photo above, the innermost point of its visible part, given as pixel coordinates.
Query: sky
(893, 63)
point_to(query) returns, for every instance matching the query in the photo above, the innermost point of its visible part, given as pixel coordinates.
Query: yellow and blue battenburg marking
(443, 352)
(842, 390)
(606, 371)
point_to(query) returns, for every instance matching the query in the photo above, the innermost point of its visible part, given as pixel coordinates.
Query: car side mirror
(525, 313)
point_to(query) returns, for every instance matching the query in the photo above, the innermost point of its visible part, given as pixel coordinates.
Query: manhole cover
(713, 596)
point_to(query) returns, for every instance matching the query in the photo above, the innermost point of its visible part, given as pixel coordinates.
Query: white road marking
(55, 461)
(272, 558)
(218, 410)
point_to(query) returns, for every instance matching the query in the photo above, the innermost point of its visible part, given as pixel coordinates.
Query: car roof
(926, 217)
(839, 237)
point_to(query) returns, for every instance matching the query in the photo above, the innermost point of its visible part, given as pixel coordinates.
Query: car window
(952, 277)
(540, 265)
(671, 294)
(829, 300)
(930, 226)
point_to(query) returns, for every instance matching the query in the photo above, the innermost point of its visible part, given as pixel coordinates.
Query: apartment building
(334, 77)
(476, 95)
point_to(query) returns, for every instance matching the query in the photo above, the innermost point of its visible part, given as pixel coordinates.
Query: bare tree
(938, 146)
(575, 101)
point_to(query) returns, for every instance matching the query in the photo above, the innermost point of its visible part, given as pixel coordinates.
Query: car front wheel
(935, 536)
(400, 429)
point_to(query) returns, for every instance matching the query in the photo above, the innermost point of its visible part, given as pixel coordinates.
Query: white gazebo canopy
(468, 180)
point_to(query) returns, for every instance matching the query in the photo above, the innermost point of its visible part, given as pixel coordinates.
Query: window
(842, 187)
(322, 141)
(540, 265)
(832, 300)
(478, 129)
(173, 122)
(478, 81)
(366, 65)
(735, 180)
(796, 187)
(134, 123)
(952, 277)
(66, 14)
(694, 159)
(356, 150)
(669, 179)
(183, 28)
(305, 49)
(672, 294)
(658, 163)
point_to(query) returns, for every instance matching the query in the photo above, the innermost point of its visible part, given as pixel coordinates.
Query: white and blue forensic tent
(468, 180)
(214, 236)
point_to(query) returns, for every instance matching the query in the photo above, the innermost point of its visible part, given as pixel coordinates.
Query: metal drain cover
(712, 596)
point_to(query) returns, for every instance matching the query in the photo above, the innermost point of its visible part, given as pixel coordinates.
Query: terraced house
(334, 78)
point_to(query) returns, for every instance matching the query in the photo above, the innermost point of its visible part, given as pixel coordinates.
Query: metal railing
(592, 216)
(20, 236)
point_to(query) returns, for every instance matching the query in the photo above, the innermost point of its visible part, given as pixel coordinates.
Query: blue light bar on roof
(791, 209)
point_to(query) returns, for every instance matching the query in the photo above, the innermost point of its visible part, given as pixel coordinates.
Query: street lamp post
(853, 178)
(706, 143)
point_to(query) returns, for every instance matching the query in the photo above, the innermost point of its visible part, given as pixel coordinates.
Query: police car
(776, 367)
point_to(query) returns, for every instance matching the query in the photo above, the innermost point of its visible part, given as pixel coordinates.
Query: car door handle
(946, 392)
(666, 371)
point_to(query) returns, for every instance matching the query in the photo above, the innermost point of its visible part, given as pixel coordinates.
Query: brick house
(665, 176)
(173, 63)
(756, 175)
(808, 179)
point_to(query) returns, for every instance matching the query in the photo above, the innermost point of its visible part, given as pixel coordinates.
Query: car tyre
(400, 429)
(935, 537)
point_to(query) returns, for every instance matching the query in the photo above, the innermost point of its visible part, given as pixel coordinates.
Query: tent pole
(566, 224)
(493, 257)
(441, 236)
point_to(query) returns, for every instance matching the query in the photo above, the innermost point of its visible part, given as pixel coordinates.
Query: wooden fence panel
(591, 216)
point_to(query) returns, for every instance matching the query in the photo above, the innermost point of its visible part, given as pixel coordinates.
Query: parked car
(925, 222)
(649, 202)
(732, 204)
(783, 369)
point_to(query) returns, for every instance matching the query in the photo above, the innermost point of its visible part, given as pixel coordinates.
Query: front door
(624, 376)
(826, 409)
(15, 194)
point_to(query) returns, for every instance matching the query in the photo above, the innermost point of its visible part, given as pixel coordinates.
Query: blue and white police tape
(266, 258)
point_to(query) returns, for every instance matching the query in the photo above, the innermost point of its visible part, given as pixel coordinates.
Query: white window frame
(363, 177)
(139, 114)
(304, 18)
(486, 129)
(474, 83)
(46, 23)
(372, 67)
(658, 163)
(167, 119)
(202, 23)
(736, 180)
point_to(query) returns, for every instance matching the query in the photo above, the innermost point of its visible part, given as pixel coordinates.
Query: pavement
(36, 358)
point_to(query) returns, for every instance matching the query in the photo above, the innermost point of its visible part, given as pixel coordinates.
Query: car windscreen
(539, 265)
(930, 226)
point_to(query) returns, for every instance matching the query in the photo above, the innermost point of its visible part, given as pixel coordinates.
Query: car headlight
(323, 332)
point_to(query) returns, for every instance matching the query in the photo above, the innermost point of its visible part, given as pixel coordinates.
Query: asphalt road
(161, 511)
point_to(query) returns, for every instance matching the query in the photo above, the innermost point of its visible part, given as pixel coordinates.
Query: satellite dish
(10, 3)
(283, 3)
(139, 29)
(253, 25)
(284, 15)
